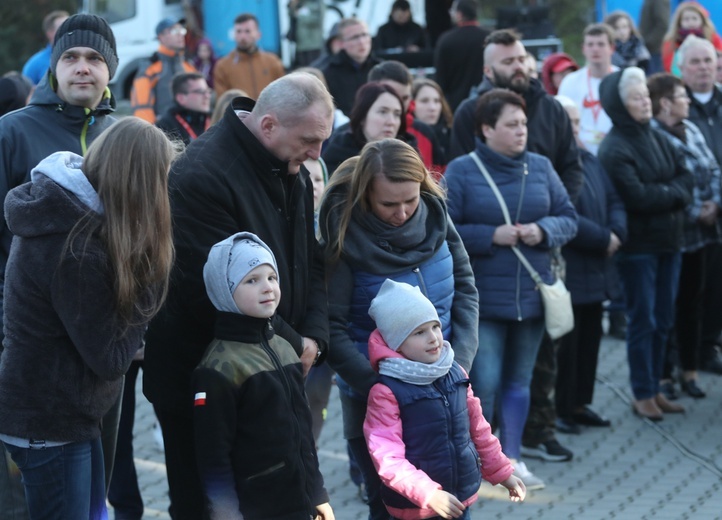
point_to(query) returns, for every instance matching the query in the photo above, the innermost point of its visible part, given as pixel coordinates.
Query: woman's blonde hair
(128, 167)
(708, 28)
(392, 158)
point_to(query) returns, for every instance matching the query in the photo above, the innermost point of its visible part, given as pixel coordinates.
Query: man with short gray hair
(697, 60)
(245, 173)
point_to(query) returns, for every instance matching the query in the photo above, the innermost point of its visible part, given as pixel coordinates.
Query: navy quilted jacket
(533, 193)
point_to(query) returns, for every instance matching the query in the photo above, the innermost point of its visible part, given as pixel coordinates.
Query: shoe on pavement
(567, 425)
(588, 417)
(531, 481)
(668, 406)
(550, 451)
(691, 389)
(647, 409)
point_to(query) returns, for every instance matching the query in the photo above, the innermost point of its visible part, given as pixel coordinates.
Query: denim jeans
(63, 482)
(501, 375)
(650, 288)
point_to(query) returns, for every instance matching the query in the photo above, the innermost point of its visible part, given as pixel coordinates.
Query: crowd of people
(250, 236)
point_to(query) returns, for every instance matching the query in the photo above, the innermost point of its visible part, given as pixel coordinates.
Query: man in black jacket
(189, 116)
(459, 54)
(245, 173)
(697, 62)
(549, 134)
(347, 70)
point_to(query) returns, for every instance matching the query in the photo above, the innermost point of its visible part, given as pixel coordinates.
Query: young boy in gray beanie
(254, 444)
(423, 414)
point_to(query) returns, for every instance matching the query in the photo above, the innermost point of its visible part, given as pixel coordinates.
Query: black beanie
(85, 30)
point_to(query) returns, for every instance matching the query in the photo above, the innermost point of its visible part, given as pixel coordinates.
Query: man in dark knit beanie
(69, 108)
(85, 30)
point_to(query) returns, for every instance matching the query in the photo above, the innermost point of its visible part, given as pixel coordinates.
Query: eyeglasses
(201, 92)
(357, 37)
(178, 30)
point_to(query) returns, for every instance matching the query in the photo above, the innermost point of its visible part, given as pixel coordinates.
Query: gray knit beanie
(398, 309)
(229, 261)
(85, 30)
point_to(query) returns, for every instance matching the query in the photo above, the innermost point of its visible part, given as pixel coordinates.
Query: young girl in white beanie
(424, 428)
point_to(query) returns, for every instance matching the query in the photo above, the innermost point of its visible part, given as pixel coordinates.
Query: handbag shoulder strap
(505, 210)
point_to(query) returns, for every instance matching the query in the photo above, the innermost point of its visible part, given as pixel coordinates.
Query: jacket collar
(238, 327)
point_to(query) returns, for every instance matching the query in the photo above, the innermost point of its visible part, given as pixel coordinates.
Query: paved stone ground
(635, 470)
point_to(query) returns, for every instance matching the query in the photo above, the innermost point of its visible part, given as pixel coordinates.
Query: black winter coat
(550, 133)
(344, 77)
(591, 275)
(227, 182)
(649, 176)
(708, 118)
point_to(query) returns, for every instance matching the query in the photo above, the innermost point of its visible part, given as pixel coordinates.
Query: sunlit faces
(424, 343)
(402, 90)
(258, 294)
(204, 51)
(699, 68)
(691, 19)
(197, 96)
(508, 67)
(54, 28)
(508, 136)
(428, 105)
(174, 37)
(393, 202)
(622, 29)
(638, 103)
(383, 119)
(82, 76)
(356, 41)
(597, 49)
(246, 35)
(295, 144)
(679, 106)
(316, 177)
(574, 119)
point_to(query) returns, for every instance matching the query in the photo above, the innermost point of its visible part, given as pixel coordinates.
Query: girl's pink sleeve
(384, 438)
(495, 466)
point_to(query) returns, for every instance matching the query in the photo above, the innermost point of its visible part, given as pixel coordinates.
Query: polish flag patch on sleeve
(199, 399)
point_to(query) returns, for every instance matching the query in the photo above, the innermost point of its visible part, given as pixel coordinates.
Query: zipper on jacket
(420, 277)
(287, 387)
(450, 422)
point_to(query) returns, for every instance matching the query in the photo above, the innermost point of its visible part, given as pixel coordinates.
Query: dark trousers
(685, 342)
(187, 501)
(712, 306)
(577, 360)
(540, 421)
(124, 493)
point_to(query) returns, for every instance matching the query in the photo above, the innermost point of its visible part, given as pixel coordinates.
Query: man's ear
(268, 125)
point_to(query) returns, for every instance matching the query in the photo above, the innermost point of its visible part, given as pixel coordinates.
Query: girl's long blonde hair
(128, 167)
(392, 158)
